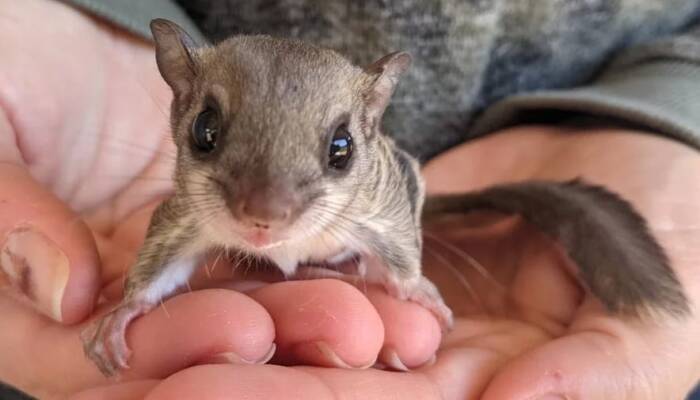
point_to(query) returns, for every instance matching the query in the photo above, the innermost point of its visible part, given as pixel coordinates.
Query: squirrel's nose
(265, 208)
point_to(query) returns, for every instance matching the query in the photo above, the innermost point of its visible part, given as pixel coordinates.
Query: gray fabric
(662, 96)
(468, 54)
(8, 393)
(135, 15)
(654, 86)
(695, 395)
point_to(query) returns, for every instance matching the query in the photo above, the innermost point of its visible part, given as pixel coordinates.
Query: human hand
(85, 146)
(563, 342)
(526, 329)
(74, 184)
(76, 95)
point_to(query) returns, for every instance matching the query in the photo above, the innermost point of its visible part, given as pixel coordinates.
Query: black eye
(205, 130)
(341, 148)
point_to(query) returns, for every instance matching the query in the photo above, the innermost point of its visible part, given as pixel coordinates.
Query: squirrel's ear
(386, 71)
(174, 55)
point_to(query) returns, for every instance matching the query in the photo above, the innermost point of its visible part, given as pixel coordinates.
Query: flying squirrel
(280, 154)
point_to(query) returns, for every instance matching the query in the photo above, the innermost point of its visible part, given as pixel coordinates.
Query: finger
(460, 373)
(47, 254)
(134, 390)
(37, 353)
(324, 322)
(275, 382)
(204, 326)
(608, 362)
(411, 333)
(213, 325)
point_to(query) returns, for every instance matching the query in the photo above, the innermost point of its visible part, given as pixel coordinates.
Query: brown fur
(279, 102)
(619, 260)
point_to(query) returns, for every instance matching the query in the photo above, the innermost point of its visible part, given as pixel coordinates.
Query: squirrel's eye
(205, 130)
(341, 148)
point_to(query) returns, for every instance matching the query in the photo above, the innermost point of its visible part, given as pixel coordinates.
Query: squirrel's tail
(618, 258)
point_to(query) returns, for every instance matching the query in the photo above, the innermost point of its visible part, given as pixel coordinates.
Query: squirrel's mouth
(260, 238)
(232, 232)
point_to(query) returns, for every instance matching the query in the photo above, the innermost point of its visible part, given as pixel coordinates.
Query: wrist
(547, 152)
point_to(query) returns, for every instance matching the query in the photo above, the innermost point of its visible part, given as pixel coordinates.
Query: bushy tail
(619, 260)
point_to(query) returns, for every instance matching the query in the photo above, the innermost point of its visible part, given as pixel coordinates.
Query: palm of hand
(551, 336)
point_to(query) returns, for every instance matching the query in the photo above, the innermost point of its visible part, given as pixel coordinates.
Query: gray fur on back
(468, 53)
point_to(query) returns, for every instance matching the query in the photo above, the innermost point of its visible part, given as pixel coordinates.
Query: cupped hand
(551, 337)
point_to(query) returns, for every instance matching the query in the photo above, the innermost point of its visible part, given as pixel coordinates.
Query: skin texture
(494, 355)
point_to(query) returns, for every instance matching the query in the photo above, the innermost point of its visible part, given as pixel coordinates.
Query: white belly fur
(320, 248)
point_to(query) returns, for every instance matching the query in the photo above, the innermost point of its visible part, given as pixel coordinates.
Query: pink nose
(264, 209)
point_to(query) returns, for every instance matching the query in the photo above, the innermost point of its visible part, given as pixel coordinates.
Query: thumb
(48, 257)
(607, 362)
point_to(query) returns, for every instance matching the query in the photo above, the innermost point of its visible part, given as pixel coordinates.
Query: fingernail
(325, 355)
(391, 359)
(430, 361)
(34, 265)
(233, 358)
